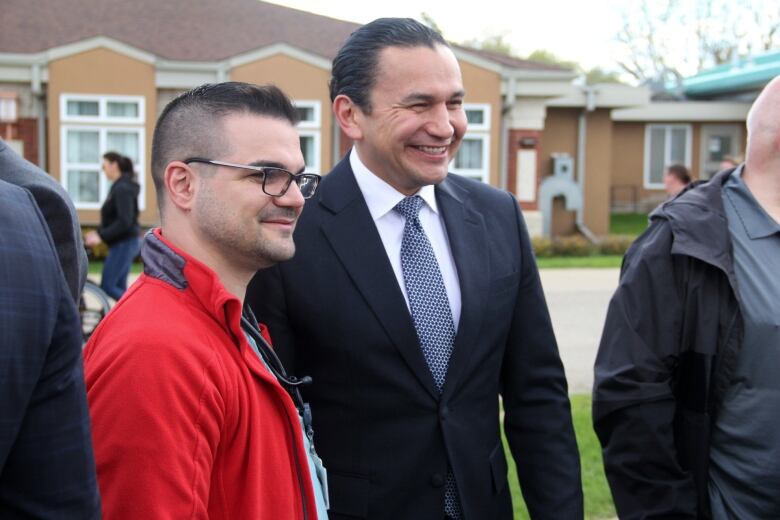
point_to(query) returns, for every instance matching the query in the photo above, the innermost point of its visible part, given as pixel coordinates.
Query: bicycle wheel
(93, 307)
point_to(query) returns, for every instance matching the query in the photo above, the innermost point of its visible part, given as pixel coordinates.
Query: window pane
(469, 155)
(83, 108)
(677, 154)
(84, 185)
(307, 147)
(657, 154)
(305, 113)
(718, 147)
(83, 146)
(475, 116)
(8, 110)
(125, 143)
(128, 109)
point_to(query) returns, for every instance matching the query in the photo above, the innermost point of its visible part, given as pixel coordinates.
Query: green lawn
(627, 223)
(598, 500)
(562, 262)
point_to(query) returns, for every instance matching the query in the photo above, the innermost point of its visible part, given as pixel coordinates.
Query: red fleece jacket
(187, 422)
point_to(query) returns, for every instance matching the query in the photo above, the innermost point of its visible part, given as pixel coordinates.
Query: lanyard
(274, 364)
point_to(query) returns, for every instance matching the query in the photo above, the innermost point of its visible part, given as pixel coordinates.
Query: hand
(92, 239)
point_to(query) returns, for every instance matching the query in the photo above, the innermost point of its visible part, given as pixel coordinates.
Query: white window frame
(103, 186)
(667, 150)
(485, 108)
(102, 116)
(314, 167)
(479, 132)
(9, 107)
(316, 107)
(312, 128)
(482, 173)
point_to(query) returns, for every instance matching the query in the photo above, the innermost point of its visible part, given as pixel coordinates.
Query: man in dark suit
(57, 209)
(414, 302)
(47, 469)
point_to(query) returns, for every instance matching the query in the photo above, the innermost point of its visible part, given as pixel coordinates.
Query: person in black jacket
(686, 390)
(118, 224)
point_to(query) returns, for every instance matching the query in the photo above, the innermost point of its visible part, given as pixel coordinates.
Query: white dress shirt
(381, 198)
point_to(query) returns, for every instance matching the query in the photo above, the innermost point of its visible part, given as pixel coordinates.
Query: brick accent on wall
(25, 129)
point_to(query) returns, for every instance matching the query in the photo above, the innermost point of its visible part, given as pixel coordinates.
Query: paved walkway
(578, 299)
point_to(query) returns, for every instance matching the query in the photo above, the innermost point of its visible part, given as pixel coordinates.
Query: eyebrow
(419, 96)
(273, 164)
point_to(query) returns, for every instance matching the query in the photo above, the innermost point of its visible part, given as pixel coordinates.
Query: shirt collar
(756, 221)
(380, 197)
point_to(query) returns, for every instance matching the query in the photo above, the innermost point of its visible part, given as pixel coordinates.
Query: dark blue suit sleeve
(46, 462)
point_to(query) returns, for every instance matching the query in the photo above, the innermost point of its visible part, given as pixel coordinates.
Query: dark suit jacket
(47, 469)
(337, 313)
(57, 209)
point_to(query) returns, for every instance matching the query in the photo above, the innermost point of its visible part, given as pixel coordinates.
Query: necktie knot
(409, 207)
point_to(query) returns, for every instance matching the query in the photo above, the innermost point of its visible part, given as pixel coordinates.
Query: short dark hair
(355, 67)
(680, 172)
(188, 126)
(124, 162)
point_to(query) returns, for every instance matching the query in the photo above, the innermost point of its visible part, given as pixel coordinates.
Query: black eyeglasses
(276, 181)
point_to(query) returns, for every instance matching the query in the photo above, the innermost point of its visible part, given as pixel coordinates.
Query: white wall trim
(89, 44)
(684, 111)
(279, 48)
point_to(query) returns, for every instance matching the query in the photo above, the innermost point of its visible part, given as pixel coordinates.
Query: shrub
(577, 245)
(615, 244)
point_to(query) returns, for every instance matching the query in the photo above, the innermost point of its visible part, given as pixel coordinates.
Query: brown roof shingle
(186, 30)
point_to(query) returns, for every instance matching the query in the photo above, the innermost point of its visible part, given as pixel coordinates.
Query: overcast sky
(577, 30)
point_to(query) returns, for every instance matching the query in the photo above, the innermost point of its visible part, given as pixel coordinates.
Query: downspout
(506, 111)
(40, 108)
(582, 129)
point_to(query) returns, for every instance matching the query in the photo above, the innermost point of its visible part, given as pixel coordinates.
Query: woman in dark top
(118, 224)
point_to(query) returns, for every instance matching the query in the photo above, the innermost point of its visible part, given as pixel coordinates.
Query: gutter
(506, 110)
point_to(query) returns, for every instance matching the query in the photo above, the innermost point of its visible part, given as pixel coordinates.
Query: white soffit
(607, 95)
(684, 111)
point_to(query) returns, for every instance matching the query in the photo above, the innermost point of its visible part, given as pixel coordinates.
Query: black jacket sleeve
(633, 401)
(124, 203)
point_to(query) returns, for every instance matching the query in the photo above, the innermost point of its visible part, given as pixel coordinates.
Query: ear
(180, 185)
(349, 117)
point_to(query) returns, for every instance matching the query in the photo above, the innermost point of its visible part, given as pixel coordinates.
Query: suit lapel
(348, 226)
(467, 236)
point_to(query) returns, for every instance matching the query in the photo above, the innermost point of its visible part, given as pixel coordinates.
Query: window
(665, 145)
(473, 157)
(102, 109)
(9, 107)
(309, 129)
(91, 127)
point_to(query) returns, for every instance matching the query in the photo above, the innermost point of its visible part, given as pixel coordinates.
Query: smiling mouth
(433, 150)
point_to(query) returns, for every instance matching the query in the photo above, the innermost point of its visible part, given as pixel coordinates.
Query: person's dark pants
(117, 266)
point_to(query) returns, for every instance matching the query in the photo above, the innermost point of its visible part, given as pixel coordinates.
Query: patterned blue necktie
(430, 311)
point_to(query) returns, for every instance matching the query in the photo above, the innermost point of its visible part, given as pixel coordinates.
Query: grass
(627, 223)
(562, 262)
(598, 500)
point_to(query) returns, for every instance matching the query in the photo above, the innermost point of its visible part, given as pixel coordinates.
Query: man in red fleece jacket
(193, 416)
